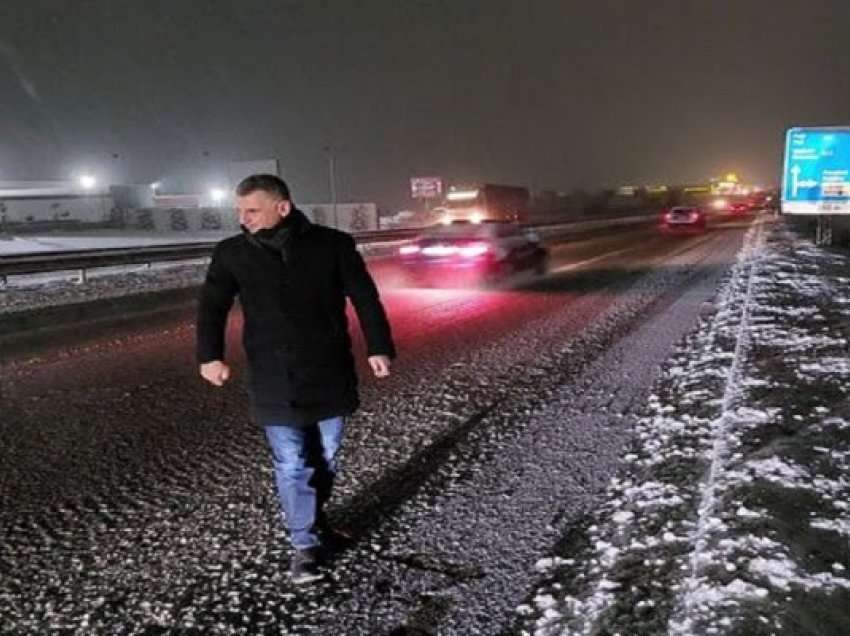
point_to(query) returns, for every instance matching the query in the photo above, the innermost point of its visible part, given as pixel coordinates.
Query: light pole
(332, 182)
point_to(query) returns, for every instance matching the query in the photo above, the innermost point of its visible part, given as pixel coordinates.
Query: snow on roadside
(730, 514)
(62, 288)
(25, 292)
(102, 239)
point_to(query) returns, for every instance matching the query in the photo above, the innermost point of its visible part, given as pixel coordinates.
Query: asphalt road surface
(136, 499)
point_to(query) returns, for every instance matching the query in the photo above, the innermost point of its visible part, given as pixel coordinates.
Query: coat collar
(278, 239)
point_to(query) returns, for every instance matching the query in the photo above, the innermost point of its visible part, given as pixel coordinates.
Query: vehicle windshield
(462, 204)
(465, 231)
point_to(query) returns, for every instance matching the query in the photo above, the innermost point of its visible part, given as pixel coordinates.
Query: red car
(757, 201)
(739, 207)
(683, 219)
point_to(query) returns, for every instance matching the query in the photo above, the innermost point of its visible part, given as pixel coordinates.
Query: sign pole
(823, 234)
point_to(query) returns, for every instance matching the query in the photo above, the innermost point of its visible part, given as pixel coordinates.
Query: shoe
(333, 538)
(305, 566)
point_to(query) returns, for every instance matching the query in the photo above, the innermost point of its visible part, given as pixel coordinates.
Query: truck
(484, 202)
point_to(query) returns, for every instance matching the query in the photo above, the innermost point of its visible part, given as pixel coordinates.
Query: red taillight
(439, 250)
(463, 250)
(473, 250)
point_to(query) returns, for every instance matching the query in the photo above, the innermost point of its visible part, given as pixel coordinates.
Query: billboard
(815, 171)
(426, 187)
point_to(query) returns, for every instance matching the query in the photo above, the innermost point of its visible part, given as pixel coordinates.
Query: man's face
(260, 210)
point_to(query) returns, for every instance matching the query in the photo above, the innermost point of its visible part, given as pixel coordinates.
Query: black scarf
(278, 239)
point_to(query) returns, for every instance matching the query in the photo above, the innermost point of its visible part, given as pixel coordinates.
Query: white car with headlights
(472, 252)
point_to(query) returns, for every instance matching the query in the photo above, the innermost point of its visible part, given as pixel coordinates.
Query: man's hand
(215, 372)
(380, 366)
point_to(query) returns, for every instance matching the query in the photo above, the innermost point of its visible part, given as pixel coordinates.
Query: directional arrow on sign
(796, 184)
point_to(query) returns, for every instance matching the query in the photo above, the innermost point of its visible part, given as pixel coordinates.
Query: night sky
(541, 93)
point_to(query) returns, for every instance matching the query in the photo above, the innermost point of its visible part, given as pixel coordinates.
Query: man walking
(292, 278)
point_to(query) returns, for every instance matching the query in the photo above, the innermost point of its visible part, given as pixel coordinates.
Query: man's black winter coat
(301, 368)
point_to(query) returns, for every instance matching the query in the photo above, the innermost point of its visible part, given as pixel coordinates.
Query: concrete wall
(134, 210)
(179, 220)
(351, 217)
(133, 196)
(95, 208)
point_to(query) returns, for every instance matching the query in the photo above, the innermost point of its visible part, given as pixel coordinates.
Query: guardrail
(83, 260)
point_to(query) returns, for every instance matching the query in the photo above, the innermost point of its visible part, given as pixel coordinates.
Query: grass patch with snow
(731, 513)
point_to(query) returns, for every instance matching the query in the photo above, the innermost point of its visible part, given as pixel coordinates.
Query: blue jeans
(304, 466)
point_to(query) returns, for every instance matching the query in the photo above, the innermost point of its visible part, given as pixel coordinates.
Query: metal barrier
(84, 260)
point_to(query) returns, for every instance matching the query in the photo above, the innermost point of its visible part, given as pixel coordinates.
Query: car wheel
(541, 268)
(498, 274)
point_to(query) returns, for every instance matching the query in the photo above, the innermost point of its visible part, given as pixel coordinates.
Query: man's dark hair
(270, 183)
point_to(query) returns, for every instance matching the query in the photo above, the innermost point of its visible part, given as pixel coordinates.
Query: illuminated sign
(426, 187)
(816, 173)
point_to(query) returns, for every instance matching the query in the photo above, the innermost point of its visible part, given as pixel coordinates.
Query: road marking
(572, 266)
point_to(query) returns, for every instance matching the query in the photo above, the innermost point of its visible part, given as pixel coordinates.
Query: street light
(87, 182)
(332, 181)
(217, 195)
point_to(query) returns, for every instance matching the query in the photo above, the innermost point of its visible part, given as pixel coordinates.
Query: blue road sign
(816, 176)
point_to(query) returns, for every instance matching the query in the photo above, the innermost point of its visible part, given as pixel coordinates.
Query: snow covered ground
(28, 292)
(732, 512)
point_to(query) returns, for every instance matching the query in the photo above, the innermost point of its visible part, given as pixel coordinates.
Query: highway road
(136, 499)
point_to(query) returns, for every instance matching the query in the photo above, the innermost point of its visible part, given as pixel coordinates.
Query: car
(739, 207)
(465, 252)
(757, 201)
(683, 218)
(719, 204)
